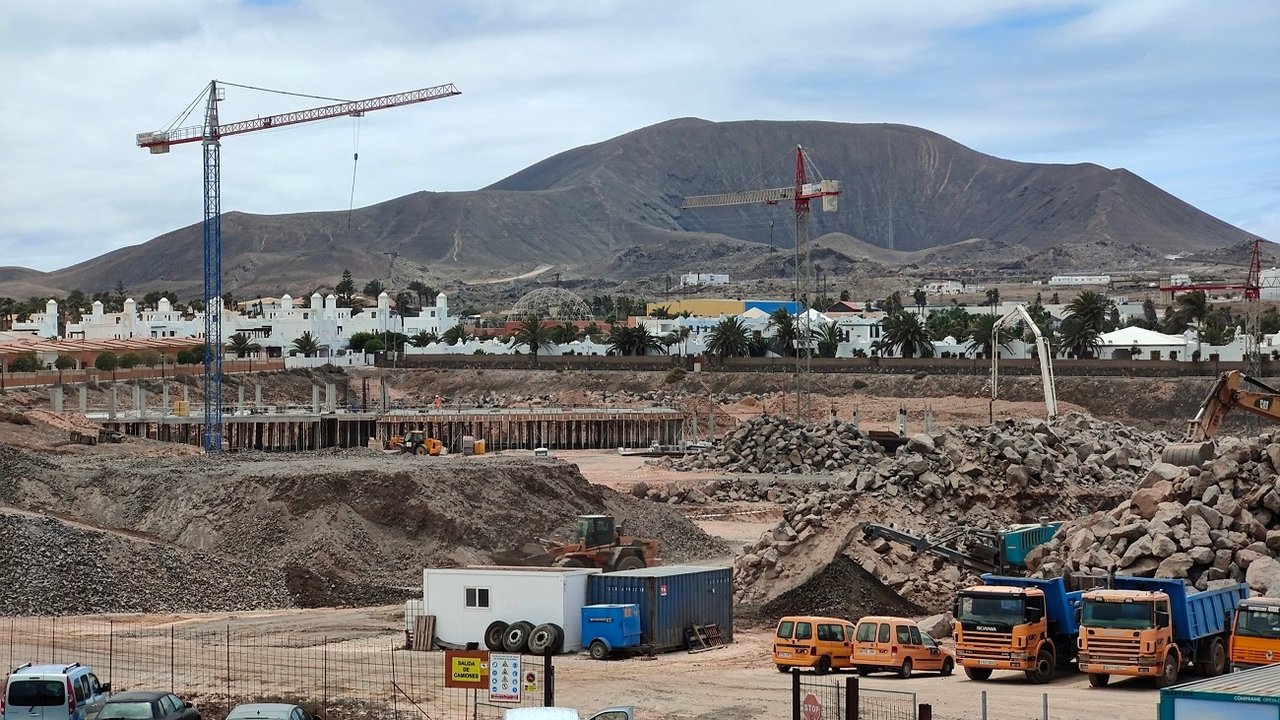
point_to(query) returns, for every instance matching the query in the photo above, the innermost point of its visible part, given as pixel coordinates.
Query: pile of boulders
(774, 444)
(1220, 521)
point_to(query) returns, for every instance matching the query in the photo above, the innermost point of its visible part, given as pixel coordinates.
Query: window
(37, 693)
(81, 684)
(297, 714)
(784, 629)
(168, 704)
(834, 633)
(884, 632)
(95, 687)
(804, 631)
(915, 636)
(904, 635)
(929, 642)
(867, 632)
(477, 598)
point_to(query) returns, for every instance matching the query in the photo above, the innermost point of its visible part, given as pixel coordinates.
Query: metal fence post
(326, 675)
(53, 641)
(228, 648)
(548, 681)
(795, 694)
(171, 659)
(984, 705)
(924, 712)
(1046, 706)
(851, 698)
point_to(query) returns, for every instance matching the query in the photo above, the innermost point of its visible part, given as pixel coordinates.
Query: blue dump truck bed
(1195, 614)
(1060, 605)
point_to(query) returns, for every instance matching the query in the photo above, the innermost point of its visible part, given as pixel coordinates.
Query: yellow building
(698, 307)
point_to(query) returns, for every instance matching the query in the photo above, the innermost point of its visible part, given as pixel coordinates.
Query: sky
(1185, 93)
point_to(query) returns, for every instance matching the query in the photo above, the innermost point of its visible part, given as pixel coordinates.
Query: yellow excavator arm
(1231, 390)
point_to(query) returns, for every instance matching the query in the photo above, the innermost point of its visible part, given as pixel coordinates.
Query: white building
(1151, 344)
(466, 600)
(951, 287)
(1078, 280)
(42, 325)
(692, 279)
(1179, 280)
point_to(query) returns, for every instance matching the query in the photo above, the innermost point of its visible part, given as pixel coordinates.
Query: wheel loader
(415, 442)
(596, 543)
(1232, 389)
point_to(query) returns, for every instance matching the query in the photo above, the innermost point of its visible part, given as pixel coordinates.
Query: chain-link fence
(341, 677)
(814, 698)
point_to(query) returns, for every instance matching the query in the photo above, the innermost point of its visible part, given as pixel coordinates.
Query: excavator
(1232, 389)
(596, 543)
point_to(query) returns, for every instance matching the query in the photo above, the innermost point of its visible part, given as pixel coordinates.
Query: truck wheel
(824, 665)
(542, 640)
(978, 674)
(598, 650)
(571, 562)
(493, 635)
(631, 562)
(904, 672)
(420, 450)
(1217, 662)
(1043, 670)
(948, 667)
(1099, 679)
(1169, 673)
(517, 638)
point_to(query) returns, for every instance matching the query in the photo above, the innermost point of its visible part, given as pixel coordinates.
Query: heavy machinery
(1043, 351)
(1010, 623)
(1255, 633)
(975, 548)
(1153, 627)
(1232, 389)
(416, 442)
(597, 543)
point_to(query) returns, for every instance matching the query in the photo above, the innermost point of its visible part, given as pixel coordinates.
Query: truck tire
(1169, 672)
(420, 450)
(630, 562)
(1217, 662)
(542, 640)
(598, 650)
(784, 668)
(493, 635)
(571, 562)
(1043, 670)
(1099, 679)
(904, 672)
(978, 674)
(517, 638)
(863, 671)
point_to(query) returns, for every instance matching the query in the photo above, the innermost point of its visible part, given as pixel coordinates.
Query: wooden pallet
(424, 632)
(701, 638)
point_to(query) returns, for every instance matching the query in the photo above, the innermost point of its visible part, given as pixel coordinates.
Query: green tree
(241, 345)
(190, 356)
(25, 362)
(406, 301)
(306, 344)
(662, 313)
(151, 358)
(373, 345)
(358, 340)
(844, 296)
(829, 337)
(456, 335)
(625, 340)
(345, 289)
(1192, 309)
(1078, 338)
(423, 338)
(423, 292)
(106, 361)
(1214, 332)
(65, 362)
(373, 288)
(902, 331)
(1087, 317)
(993, 297)
(130, 360)
(729, 338)
(531, 334)
(7, 308)
(1149, 312)
(789, 332)
(893, 303)
(121, 292)
(953, 322)
(982, 335)
(920, 299)
(564, 333)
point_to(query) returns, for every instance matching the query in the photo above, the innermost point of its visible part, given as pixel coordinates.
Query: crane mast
(209, 135)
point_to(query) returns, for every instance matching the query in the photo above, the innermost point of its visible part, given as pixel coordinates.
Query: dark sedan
(147, 705)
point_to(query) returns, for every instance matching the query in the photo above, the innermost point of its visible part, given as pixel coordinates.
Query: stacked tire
(524, 637)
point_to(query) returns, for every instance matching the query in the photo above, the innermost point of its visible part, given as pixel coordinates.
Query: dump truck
(1232, 389)
(1153, 627)
(1014, 623)
(1255, 633)
(597, 543)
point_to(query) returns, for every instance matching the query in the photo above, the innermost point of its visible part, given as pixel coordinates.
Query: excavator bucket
(1187, 454)
(525, 555)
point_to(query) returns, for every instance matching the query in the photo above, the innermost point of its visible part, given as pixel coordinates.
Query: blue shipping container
(617, 625)
(1249, 695)
(671, 599)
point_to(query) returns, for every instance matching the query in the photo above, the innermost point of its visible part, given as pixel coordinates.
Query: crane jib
(195, 133)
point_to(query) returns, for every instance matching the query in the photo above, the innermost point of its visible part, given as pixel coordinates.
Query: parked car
(563, 713)
(53, 692)
(896, 644)
(270, 711)
(147, 705)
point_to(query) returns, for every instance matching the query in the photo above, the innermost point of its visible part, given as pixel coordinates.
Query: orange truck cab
(1011, 623)
(896, 644)
(821, 643)
(1255, 633)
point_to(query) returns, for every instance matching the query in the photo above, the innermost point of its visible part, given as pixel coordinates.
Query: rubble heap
(987, 477)
(770, 444)
(1216, 522)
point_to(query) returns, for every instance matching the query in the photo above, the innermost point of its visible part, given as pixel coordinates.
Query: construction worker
(438, 403)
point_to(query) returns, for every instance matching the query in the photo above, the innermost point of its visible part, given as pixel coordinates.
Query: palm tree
(729, 338)
(306, 344)
(1078, 338)
(7, 305)
(953, 322)
(241, 345)
(681, 335)
(1088, 311)
(564, 334)
(531, 334)
(1192, 309)
(456, 335)
(981, 335)
(920, 299)
(903, 331)
(422, 338)
(625, 340)
(829, 337)
(421, 290)
(787, 332)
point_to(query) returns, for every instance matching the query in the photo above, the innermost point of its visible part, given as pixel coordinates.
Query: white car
(564, 713)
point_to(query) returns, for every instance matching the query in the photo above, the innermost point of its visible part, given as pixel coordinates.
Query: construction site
(893, 498)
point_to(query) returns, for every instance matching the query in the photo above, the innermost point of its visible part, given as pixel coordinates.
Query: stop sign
(811, 708)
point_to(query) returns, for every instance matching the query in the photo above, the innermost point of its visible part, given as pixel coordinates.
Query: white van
(53, 692)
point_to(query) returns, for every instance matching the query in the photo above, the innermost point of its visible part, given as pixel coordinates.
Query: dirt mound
(841, 589)
(340, 527)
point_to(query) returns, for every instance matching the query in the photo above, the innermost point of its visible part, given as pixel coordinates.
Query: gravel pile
(1220, 521)
(769, 444)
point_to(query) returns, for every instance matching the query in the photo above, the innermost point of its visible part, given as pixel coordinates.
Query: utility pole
(800, 193)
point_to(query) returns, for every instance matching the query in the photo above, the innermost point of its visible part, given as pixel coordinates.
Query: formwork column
(164, 399)
(84, 399)
(257, 397)
(240, 399)
(111, 403)
(55, 398)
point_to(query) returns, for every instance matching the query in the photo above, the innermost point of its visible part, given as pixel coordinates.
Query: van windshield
(1130, 616)
(784, 629)
(37, 693)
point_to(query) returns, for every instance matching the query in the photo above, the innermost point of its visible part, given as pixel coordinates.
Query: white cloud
(1182, 93)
